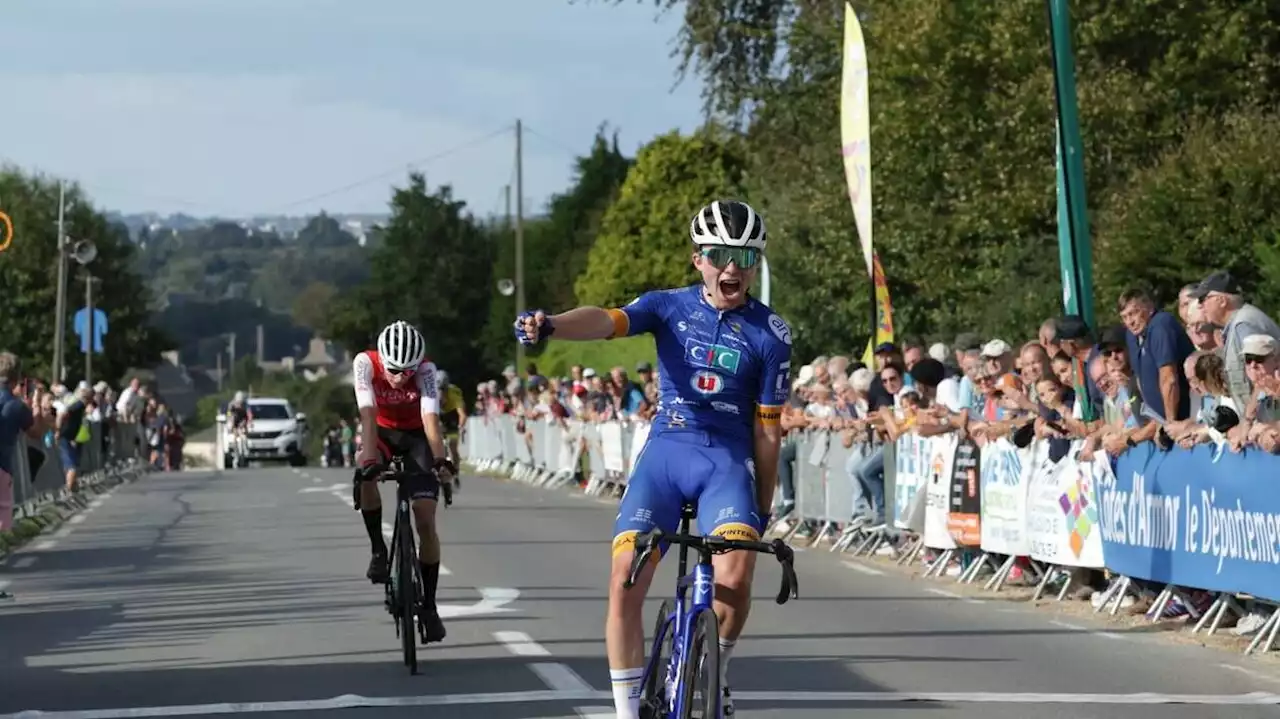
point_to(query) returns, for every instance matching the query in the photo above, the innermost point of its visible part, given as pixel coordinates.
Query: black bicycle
(406, 597)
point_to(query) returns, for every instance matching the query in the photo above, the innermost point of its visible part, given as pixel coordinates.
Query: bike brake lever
(643, 548)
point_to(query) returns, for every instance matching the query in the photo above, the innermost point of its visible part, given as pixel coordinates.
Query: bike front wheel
(700, 670)
(408, 599)
(653, 695)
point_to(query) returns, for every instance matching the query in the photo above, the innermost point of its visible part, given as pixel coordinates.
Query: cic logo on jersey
(713, 356)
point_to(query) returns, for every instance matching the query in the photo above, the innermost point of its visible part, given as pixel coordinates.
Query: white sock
(726, 653)
(626, 691)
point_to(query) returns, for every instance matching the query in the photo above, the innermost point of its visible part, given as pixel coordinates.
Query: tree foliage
(434, 269)
(29, 276)
(961, 99)
(1208, 203)
(643, 241)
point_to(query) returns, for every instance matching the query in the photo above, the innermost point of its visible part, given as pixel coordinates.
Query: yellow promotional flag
(855, 130)
(855, 139)
(884, 312)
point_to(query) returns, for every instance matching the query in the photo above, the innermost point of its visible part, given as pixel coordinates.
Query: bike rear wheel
(700, 670)
(653, 695)
(408, 590)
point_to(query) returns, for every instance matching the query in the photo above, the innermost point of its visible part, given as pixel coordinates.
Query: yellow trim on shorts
(626, 542)
(769, 414)
(738, 531)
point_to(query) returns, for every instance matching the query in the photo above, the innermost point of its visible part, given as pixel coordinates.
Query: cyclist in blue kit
(724, 360)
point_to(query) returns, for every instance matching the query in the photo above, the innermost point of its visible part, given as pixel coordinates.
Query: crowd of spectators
(55, 418)
(1210, 374)
(584, 394)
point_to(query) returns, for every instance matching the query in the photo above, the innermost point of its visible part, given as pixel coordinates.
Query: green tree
(433, 269)
(1207, 204)
(556, 245)
(643, 242)
(29, 272)
(311, 306)
(322, 231)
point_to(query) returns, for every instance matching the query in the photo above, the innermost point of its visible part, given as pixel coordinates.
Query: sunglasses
(398, 372)
(720, 257)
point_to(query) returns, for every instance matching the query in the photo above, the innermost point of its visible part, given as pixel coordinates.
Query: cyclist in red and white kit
(399, 405)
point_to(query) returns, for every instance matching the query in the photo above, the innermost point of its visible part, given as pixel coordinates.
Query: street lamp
(507, 288)
(83, 252)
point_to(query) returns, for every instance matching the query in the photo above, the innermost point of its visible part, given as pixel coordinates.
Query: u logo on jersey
(718, 357)
(705, 382)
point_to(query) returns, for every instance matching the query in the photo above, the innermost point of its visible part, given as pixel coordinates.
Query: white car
(276, 432)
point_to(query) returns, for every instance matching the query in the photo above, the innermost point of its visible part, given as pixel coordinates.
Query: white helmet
(239, 397)
(401, 347)
(442, 378)
(729, 223)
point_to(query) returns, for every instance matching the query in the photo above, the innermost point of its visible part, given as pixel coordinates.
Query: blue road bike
(686, 656)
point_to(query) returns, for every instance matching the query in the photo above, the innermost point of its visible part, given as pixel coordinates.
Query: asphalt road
(203, 594)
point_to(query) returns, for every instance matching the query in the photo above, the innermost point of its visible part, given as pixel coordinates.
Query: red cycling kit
(399, 418)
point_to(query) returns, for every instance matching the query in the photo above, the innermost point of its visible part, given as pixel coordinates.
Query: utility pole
(88, 304)
(519, 237)
(232, 352)
(60, 304)
(506, 191)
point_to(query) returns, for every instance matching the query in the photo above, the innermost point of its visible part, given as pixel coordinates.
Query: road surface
(206, 594)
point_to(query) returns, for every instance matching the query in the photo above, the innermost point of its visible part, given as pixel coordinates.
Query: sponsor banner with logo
(1202, 518)
(1062, 511)
(942, 454)
(911, 462)
(965, 507)
(1006, 472)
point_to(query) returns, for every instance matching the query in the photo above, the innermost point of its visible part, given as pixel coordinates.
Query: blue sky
(236, 107)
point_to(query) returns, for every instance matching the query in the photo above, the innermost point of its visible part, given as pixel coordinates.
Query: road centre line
(521, 644)
(352, 701)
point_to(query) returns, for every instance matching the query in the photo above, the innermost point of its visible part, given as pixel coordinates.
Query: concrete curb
(48, 511)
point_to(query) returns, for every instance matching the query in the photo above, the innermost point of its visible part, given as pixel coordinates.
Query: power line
(399, 168)
(551, 140)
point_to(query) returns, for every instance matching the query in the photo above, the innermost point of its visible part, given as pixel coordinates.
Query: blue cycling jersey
(714, 366)
(719, 370)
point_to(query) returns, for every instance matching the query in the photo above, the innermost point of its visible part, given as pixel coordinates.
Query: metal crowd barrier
(49, 476)
(994, 508)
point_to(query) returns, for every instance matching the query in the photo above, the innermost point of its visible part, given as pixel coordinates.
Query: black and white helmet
(400, 346)
(729, 223)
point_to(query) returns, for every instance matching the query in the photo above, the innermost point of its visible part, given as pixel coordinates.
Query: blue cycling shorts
(678, 466)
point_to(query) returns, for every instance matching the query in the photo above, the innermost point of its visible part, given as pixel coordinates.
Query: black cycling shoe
(432, 627)
(379, 572)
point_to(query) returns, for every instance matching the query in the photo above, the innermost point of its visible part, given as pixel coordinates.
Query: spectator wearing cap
(879, 395)
(1123, 402)
(1262, 414)
(644, 373)
(1076, 341)
(1221, 301)
(1157, 348)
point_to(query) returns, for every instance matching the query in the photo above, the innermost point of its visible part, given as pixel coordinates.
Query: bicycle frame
(702, 582)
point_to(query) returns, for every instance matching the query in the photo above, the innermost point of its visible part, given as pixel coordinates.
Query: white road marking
(24, 562)
(1111, 635)
(62, 533)
(595, 713)
(352, 701)
(560, 678)
(953, 595)
(77, 519)
(1250, 672)
(1065, 625)
(521, 644)
(46, 544)
(855, 566)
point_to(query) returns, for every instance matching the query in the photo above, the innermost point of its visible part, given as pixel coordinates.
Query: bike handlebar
(648, 541)
(377, 472)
